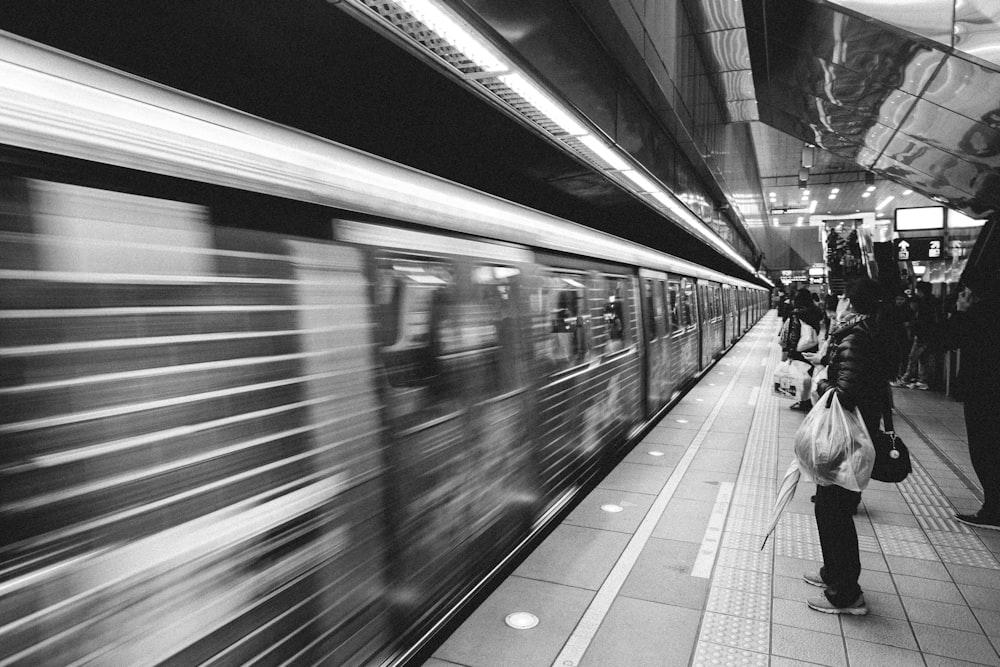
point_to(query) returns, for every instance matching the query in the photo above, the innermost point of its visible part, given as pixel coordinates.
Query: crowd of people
(867, 344)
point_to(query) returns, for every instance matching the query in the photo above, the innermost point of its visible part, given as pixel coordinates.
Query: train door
(658, 385)
(454, 384)
(683, 330)
(586, 340)
(729, 316)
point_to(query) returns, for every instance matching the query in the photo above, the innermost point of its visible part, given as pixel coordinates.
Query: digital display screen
(924, 217)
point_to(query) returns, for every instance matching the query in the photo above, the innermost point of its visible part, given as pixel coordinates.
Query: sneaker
(902, 383)
(978, 522)
(859, 608)
(814, 580)
(804, 406)
(922, 386)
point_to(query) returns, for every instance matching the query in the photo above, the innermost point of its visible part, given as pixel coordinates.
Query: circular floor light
(655, 453)
(521, 620)
(613, 509)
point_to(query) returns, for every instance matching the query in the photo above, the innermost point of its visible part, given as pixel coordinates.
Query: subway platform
(662, 563)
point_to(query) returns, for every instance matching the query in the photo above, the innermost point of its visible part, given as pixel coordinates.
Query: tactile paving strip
(745, 541)
(714, 655)
(972, 557)
(928, 503)
(887, 532)
(920, 550)
(868, 543)
(938, 537)
(744, 633)
(759, 561)
(797, 549)
(758, 583)
(739, 603)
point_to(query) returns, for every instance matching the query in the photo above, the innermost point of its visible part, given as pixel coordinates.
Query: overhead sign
(922, 217)
(919, 249)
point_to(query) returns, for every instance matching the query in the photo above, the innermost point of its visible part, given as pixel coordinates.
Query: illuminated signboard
(919, 249)
(924, 217)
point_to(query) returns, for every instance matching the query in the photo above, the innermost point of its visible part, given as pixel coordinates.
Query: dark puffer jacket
(857, 370)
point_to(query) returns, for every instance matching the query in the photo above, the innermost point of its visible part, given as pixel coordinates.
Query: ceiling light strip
(519, 93)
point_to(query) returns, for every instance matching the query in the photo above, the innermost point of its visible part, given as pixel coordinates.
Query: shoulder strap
(887, 411)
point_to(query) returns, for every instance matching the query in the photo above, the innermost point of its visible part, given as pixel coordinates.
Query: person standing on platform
(804, 314)
(925, 339)
(859, 369)
(972, 329)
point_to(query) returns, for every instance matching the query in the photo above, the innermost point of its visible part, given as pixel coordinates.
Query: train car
(270, 400)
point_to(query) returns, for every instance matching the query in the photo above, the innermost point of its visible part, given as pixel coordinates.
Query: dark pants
(838, 538)
(983, 425)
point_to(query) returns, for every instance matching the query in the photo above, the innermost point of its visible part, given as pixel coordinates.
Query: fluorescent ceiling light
(609, 155)
(882, 203)
(835, 190)
(805, 193)
(639, 179)
(541, 101)
(812, 206)
(870, 188)
(907, 192)
(832, 196)
(771, 194)
(866, 194)
(466, 41)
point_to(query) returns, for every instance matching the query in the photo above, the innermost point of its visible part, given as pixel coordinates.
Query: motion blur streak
(268, 400)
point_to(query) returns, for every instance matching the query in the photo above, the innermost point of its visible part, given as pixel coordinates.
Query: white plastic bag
(807, 337)
(832, 445)
(791, 380)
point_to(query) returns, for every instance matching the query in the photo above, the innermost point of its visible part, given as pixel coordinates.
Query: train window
(411, 296)
(659, 313)
(719, 310)
(674, 304)
(612, 330)
(565, 299)
(487, 328)
(649, 300)
(687, 303)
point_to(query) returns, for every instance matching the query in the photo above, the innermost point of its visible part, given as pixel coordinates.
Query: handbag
(807, 337)
(892, 458)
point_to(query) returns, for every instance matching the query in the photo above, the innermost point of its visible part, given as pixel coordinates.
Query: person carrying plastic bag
(835, 451)
(801, 336)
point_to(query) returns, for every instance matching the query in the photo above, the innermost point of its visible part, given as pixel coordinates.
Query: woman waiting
(859, 369)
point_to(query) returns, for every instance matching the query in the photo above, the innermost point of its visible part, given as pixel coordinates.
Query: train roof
(62, 104)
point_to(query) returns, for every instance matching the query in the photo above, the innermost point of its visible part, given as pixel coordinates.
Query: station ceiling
(904, 90)
(896, 94)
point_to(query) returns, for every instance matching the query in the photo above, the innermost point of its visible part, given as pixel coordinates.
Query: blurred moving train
(269, 400)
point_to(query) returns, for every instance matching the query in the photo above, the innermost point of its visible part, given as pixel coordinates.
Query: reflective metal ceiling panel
(968, 89)
(876, 94)
(720, 15)
(977, 29)
(927, 18)
(729, 50)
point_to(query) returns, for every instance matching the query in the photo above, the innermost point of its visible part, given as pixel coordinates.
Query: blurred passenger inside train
(972, 328)
(859, 367)
(802, 336)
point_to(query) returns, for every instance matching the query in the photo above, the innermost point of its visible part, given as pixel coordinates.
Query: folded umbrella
(785, 493)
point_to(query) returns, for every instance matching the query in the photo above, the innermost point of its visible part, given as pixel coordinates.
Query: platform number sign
(919, 248)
